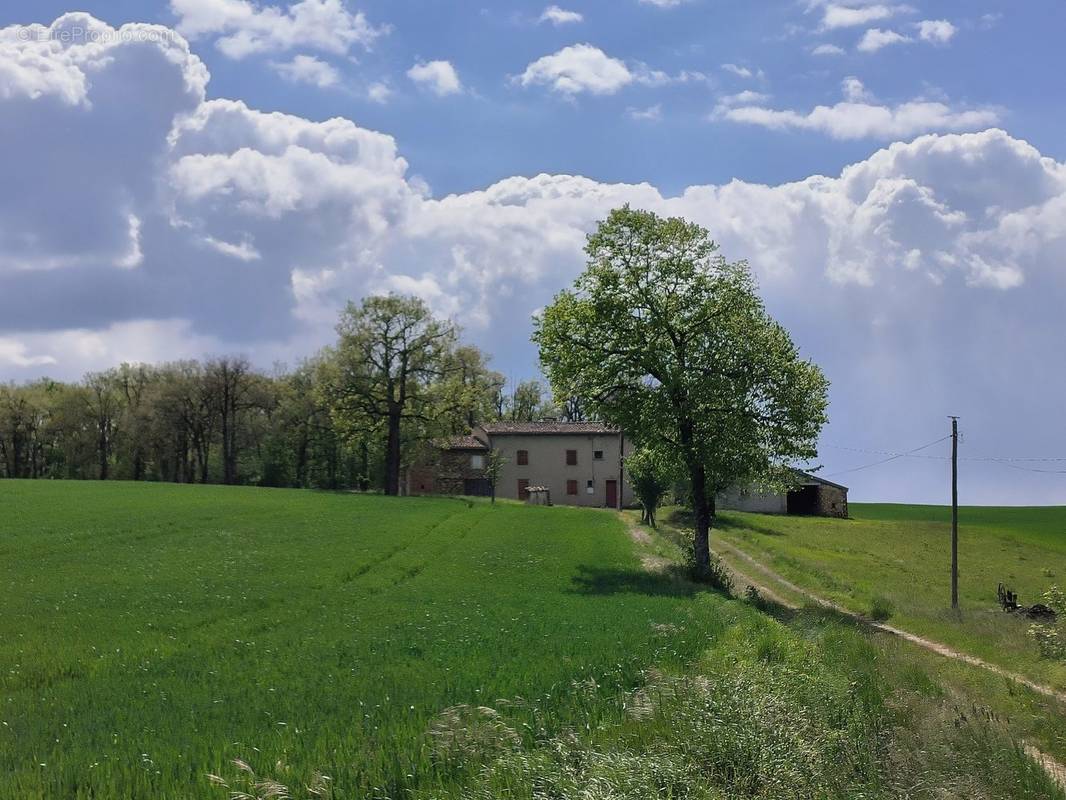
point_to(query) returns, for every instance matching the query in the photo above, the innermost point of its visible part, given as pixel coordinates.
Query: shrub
(881, 608)
(1051, 638)
(716, 574)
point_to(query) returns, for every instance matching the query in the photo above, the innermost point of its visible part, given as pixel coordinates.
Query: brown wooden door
(612, 494)
(523, 489)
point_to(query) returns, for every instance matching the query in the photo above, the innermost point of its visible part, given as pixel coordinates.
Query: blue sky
(461, 151)
(1002, 55)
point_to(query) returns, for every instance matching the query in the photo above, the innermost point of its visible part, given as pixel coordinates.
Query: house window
(571, 458)
(477, 462)
(590, 488)
(523, 458)
(597, 455)
(571, 487)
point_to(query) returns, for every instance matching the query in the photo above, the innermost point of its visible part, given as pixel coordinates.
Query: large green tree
(391, 354)
(665, 338)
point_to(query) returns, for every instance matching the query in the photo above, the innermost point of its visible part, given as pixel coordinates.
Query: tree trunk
(392, 455)
(301, 459)
(102, 447)
(227, 477)
(364, 466)
(702, 510)
(702, 507)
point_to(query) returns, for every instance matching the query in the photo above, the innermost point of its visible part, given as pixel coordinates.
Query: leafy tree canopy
(665, 338)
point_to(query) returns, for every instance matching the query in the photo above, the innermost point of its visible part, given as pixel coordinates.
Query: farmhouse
(580, 463)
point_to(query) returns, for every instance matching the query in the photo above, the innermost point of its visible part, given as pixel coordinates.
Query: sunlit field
(152, 633)
(171, 642)
(901, 554)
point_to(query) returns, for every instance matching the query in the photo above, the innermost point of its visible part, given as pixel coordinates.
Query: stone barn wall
(832, 501)
(447, 472)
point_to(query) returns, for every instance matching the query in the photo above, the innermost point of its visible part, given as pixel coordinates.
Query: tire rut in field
(368, 567)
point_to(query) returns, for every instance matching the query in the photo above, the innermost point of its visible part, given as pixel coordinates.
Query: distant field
(150, 633)
(902, 554)
(363, 648)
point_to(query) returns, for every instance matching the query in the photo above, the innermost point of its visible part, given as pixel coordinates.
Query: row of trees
(350, 417)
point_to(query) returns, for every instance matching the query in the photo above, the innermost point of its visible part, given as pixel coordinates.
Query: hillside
(359, 646)
(901, 554)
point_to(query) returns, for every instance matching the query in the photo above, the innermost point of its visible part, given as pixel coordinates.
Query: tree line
(660, 336)
(351, 416)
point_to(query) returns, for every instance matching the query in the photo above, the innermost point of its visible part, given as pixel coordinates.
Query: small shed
(811, 496)
(817, 497)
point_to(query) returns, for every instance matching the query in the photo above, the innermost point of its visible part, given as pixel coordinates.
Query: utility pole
(955, 512)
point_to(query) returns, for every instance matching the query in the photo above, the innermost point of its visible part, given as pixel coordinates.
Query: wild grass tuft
(881, 608)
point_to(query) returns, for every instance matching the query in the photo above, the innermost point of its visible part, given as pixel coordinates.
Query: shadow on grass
(730, 524)
(684, 518)
(671, 582)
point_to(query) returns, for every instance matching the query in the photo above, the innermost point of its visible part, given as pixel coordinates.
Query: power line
(1006, 460)
(893, 457)
(885, 452)
(1028, 469)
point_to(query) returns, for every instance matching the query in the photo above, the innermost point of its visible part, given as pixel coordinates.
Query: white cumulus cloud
(837, 15)
(560, 16)
(860, 116)
(742, 72)
(310, 70)
(877, 39)
(438, 77)
(576, 69)
(827, 50)
(745, 98)
(242, 27)
(936, 31)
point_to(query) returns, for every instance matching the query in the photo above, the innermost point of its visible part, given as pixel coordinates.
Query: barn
(811, 496)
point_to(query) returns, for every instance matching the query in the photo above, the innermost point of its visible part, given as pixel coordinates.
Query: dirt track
(741, 579)
(1056, 770)
(921, 641)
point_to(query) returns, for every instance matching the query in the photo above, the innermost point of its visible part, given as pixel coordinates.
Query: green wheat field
(168, 642)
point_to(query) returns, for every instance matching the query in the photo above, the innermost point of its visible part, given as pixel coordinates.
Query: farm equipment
(1008, 601)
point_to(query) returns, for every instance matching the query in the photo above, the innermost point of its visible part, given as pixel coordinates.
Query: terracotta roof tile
(533, 428)
(461, 443)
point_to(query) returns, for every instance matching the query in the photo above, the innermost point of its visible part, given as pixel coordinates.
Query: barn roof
(553, 428)
(808, 479)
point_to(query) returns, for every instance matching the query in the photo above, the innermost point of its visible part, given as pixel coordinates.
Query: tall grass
(896, 559)
(766, 713)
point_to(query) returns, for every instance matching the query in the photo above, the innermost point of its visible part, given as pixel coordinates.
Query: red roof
(462, 443)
